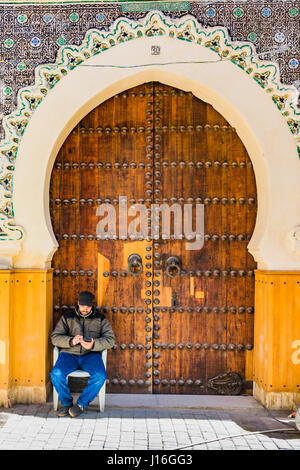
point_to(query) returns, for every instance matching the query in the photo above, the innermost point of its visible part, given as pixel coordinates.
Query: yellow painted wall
(26, 324)
(276, 359)
(6, 312)
(25, 327)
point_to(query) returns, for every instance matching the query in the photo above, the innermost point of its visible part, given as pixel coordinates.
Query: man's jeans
(67, 363)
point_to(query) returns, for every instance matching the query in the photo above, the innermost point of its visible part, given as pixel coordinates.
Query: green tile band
(162, 6)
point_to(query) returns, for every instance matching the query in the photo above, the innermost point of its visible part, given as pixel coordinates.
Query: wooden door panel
(213, 175)
(105, 157)
(156, 144)
(124, 306)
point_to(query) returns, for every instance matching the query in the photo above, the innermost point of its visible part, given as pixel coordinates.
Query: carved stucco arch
(247, 92)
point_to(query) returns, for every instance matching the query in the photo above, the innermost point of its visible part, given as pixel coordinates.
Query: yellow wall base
(21, 394)
(276, 400)
(276, 355)
(25, 327)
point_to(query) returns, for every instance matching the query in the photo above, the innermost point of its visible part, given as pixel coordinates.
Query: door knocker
(135, 265)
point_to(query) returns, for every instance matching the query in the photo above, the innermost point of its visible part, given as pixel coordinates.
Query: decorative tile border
(52, 22)
(186, 28)
(161, 6)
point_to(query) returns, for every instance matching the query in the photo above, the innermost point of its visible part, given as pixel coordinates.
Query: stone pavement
(145, 423)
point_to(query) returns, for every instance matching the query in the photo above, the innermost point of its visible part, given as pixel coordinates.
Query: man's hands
(78, 339)
(87, 344)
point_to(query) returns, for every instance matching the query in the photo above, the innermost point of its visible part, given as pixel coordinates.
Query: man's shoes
(63, 411)
(76, 410)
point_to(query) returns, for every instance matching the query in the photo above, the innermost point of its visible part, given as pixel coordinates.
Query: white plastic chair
(80, 373)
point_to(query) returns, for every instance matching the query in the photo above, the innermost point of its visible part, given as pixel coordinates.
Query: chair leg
(102, 398)
(101, 401)
(55, 399)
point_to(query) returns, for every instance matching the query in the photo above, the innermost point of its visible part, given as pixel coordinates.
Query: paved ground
(145, 423)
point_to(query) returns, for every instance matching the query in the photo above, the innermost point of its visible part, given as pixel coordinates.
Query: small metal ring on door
(135, 265)
(173, 266)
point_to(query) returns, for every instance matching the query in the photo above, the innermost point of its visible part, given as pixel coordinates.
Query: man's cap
(86, 298)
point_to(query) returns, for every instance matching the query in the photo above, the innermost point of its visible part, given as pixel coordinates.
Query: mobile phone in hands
(87, 339)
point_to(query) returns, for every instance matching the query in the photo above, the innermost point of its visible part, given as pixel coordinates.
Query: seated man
(81, 335)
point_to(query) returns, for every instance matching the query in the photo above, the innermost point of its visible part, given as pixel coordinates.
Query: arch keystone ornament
(227, 74)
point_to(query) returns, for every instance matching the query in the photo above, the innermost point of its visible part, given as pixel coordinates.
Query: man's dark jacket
(94, 325)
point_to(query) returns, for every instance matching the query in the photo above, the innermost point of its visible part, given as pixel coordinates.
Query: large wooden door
(177, 327)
